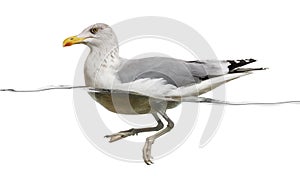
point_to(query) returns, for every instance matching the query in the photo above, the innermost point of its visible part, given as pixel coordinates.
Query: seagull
(152, 77)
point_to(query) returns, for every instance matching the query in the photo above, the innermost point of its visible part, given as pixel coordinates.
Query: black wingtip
(233, 64)
(251, 60)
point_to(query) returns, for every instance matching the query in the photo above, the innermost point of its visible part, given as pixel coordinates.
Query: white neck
(102, 63)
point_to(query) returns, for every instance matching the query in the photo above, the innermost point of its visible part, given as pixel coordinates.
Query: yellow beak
(72, 40)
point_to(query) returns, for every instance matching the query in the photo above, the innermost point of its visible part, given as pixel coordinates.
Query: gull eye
(94, 30)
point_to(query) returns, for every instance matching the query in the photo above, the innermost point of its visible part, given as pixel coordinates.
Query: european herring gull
(152, 77)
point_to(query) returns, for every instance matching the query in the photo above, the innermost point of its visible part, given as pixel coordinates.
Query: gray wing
(174, 71)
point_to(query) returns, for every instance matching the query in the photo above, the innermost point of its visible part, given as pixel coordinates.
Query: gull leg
(150, 140)
(135, 131)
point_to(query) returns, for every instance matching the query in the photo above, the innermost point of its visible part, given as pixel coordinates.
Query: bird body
(151, 78)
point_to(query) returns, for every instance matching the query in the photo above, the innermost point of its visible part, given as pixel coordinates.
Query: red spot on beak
(67, 44)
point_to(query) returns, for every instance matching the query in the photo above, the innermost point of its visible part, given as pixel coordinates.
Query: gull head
(93, 36)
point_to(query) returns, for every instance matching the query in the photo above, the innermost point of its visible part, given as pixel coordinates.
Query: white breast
(100, 72)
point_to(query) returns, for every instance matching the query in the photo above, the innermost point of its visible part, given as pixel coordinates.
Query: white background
(39, 134)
